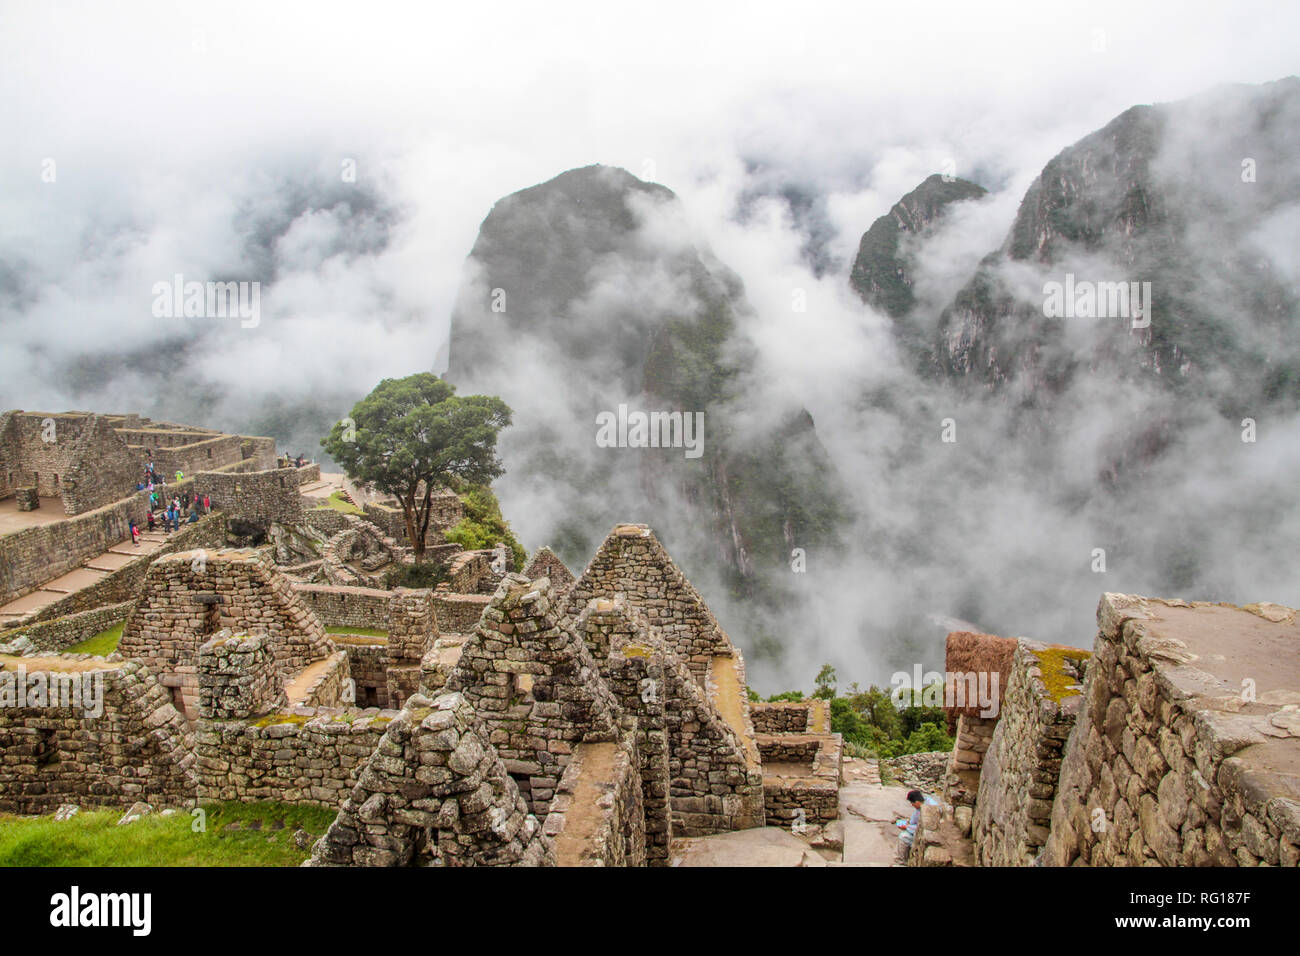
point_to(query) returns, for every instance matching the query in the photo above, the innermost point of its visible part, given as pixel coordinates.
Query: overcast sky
(172, 127)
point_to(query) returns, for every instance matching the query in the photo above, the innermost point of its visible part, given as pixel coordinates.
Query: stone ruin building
(1174, 742)
(553, 721)
(543, 718)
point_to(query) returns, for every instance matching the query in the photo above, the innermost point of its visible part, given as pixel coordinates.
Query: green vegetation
(411, 436)
(483, 525)
(233, 834)
(103, 643)
(359, 631)
(425, 574)
(337, 502)
(1059, 683)
(872, 723)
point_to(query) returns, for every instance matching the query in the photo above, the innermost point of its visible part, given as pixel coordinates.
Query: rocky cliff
(588, 292)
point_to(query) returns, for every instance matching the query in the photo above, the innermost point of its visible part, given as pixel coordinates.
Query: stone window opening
(47, 750)
(520, 690)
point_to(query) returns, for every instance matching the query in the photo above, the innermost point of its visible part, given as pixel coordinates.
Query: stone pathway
(868, 810)
(91, 571)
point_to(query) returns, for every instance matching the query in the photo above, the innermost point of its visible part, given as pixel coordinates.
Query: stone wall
(258, 497)
(779, 718)
(391, 520)
(715, 782)
(83, 462)
(325, 519)
(34, 555)
(333, 685)
(305, 755)
(346, 607)
(367, 667)
(121, 585)
(434, 793)
(190, 596)
(631, 561)
(470, 572)
(1186, 751)
(357, 555)
(923, 771)
(970, 743)
(132, 746)
(546, 564)
(205, 453)
(1020, 770)
(55, 635)
(596, 818)
(809, 797)
(412, 630)
(238, 678)
(534, 685)
(458, 613)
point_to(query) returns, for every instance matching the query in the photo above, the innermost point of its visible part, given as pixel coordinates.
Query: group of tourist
(168, 514)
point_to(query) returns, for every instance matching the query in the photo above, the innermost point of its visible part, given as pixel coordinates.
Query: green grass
(339, 503)
(92, 837)
(361, 631)
(103, 643)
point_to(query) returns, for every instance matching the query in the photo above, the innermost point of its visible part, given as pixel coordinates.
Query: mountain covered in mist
(1094, 452)
(883, 270)
(1192, 197)
(588, 292)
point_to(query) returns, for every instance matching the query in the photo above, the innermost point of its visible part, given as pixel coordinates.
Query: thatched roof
(979, 653)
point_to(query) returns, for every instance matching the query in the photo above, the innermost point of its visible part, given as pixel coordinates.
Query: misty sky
(210, 141)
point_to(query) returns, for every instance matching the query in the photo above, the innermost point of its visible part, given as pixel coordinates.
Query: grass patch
(92, 837)
(337, 502)
(359, 631)
(103, 643)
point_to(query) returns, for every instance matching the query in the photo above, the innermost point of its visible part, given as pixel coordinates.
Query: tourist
(207, 505)
(135, 534)
(194, 515)
(916, 799)
(150, 519)
(180, 476)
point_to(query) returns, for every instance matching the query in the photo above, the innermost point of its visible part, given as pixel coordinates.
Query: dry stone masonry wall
(1023, 763)
(1187, 750)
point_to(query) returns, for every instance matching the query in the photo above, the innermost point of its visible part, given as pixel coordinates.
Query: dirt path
(868, 810)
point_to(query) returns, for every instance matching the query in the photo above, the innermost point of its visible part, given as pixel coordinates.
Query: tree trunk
(409, 513)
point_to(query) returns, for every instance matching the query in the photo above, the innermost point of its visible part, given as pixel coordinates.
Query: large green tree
(412, 435)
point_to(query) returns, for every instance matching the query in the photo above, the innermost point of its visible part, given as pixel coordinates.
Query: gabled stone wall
(534, 685)
(434, 793)
(631, 561)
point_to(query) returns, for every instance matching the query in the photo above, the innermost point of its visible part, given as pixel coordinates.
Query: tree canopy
(412, 435)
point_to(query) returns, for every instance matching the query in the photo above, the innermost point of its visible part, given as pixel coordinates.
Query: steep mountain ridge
(604, 297)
